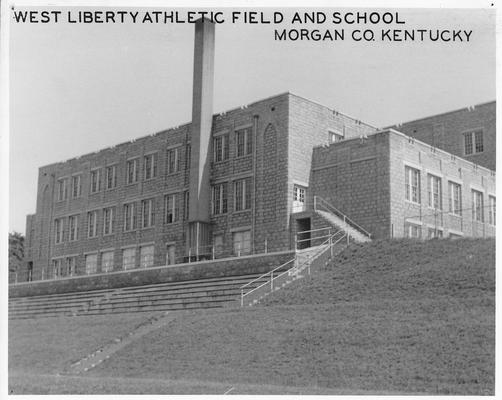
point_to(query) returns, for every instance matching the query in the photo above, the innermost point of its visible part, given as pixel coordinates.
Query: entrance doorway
(303, 235)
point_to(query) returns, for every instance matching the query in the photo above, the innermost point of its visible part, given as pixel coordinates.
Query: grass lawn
(49, 345)
(385, 317)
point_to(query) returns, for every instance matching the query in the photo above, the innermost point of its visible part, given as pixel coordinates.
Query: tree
(16, 251)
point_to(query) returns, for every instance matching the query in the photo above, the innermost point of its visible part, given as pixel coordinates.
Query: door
(303, 233)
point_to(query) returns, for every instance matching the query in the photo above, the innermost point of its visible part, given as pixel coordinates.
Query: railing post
(242, 297)
(213, 251)
(43, 270)
(16, 278)
(266, 245)
(272, 281)
(315, 203)
(239, 250)
(331, 244)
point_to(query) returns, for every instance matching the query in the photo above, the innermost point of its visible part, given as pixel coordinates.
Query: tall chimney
(202, 118)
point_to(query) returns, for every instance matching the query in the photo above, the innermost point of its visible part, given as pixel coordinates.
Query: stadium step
(169, 296)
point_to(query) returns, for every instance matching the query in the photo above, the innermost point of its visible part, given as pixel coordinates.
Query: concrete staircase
(339, 223)
(184, 295)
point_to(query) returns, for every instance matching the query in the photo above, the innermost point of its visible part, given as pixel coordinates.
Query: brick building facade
(243, 182)
(397, 186)
(468, 133)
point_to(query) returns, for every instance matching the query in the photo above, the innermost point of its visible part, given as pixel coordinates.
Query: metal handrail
(346, 219)
(328, 242)
(268, 273)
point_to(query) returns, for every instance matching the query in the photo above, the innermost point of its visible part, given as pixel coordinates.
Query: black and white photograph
(248, 199)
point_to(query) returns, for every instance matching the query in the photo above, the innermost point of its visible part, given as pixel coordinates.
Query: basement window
(107, 261)
(412, 231)
(242, 243)
(91, 263)
(129, 258)
(146, 256)
(57, 267)
(434, 233)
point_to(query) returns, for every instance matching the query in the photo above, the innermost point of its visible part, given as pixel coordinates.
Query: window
(108, 223)
(132, 171)
(220, 148)
(111, 176)
(455, 194)
(91, 263)
(57, 267)
(412, 231)
(243, 194)
(473, 142)
(187, 204)
(107, 261)
(298, 198)
(95, 181)
(171, 208)
(243, 142)
(477, 206)
(147, 213)
(412, 184)
(335, 137)
(92, 224)
(129, 258)
(491, 210)
(70, 266)
(150, 166)
(220, 199)
(434, 192)
(434, 233)
(76, 186)
(58, 230)
(218, 244)
(146, 256)
(73, 227)
(188, 156)
(62, 189)
(129, 217)
(173, 163)
(242, 242)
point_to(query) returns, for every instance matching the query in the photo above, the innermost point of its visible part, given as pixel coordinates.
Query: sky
(75, 89)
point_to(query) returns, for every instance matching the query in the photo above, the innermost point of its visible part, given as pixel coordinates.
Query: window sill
(412, 203)
(247, 210)
(173, 173)
(243, 157)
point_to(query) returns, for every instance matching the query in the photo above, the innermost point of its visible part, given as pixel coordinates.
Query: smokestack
(202, 118)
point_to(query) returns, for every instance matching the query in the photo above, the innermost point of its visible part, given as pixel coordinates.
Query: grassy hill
(384, 317)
